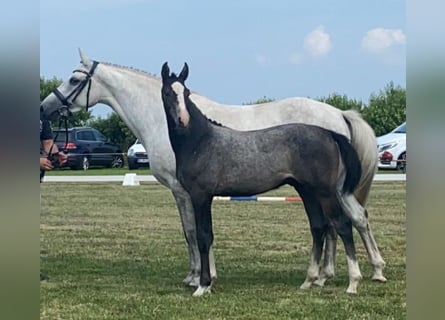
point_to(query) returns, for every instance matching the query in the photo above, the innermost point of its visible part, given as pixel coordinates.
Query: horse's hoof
(194, 282)
(306, 285)
(351, 290)
(320, 282)
(202, 291)
(379, 278)
(188, 278)
(191, 280)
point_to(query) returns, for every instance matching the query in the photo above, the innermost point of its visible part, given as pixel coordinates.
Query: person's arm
(47, 144)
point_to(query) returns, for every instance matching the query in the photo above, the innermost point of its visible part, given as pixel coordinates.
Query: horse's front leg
(203, 217)
(187, 216)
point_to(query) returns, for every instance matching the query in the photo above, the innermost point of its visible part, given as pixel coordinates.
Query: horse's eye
(74, 81)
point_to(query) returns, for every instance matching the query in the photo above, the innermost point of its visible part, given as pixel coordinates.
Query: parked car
(88, 147)
(392, 149)
(137, 156)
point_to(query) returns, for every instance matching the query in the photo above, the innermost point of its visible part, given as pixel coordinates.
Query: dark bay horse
(213, 160)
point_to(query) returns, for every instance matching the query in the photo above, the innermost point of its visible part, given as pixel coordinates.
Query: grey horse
(213, 160)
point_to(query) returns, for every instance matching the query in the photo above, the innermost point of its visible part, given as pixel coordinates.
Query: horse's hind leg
(187, 216)
(343, 226)
(327, 271)
(357, 215)
(319, 226)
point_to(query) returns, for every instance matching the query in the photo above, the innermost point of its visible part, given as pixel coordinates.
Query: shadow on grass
(164, 276)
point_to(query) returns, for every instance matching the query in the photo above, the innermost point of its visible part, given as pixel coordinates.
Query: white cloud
(317, 42)
(379, 39)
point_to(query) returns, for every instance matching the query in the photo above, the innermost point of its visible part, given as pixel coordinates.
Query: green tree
(47, 86)
(78, 119)
(342, 102)
(386, 109)
(264, 99)
(115, 129)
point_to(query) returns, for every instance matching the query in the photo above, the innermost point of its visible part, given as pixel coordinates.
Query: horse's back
(277, 112)
(291, 151)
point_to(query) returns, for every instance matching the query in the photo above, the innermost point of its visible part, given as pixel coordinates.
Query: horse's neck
(184, 139)
(198, 126)
(136, 98)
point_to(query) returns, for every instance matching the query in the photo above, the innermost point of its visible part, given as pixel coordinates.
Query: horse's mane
(143, 72)
(204, 115)
(214, 122)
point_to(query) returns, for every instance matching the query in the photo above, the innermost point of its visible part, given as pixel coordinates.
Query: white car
(137, 156)
(392, 149)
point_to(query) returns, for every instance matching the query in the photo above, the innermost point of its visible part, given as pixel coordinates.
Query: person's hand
(62, 157)
(45, 164)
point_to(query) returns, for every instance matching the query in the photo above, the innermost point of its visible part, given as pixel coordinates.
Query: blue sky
(237, 51)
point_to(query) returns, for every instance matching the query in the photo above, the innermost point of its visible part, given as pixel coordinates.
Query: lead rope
(50, 155)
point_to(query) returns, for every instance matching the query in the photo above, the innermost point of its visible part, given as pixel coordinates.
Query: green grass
(115, 252)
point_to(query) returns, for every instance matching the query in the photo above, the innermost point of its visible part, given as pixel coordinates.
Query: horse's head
(174, 95)
(74, 94)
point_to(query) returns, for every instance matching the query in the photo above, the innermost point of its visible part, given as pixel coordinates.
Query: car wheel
(82, 163)
(85, 163)
(117, 162)
(401, 163)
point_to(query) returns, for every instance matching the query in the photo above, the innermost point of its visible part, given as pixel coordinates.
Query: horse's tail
(364, 141)
(351, 162)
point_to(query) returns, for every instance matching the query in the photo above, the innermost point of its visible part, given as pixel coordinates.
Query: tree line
(384, 111)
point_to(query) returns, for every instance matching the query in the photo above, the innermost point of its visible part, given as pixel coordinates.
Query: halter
(76, 91)
(66, 103)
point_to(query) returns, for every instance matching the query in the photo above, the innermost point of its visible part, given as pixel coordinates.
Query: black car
(88, 147)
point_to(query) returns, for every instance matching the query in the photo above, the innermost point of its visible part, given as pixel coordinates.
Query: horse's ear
(84, 59)
(184, 73)
(165, 72)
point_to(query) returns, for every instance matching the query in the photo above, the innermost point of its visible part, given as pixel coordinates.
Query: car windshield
(401, 128)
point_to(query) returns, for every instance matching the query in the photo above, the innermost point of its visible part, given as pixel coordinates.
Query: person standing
(48, 150)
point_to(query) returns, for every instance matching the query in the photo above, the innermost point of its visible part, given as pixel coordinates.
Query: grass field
(115, 252)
